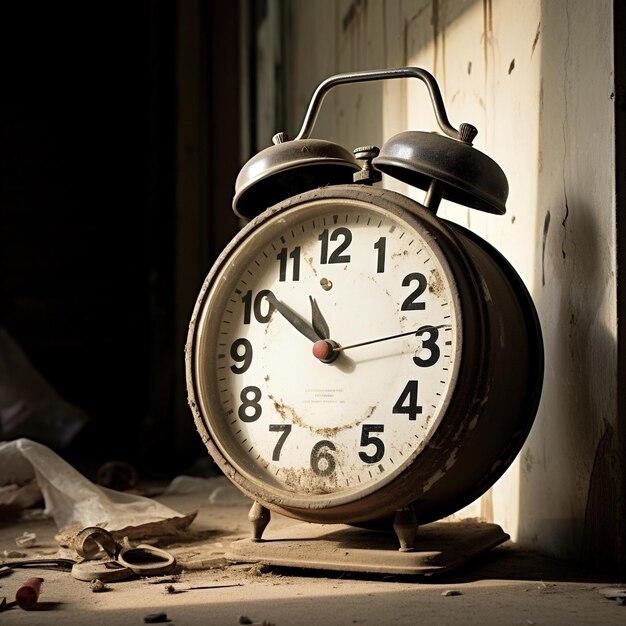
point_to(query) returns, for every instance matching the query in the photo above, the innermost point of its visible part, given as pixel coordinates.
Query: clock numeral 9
(250, 397)
(410, 303)
(367, 440)
(430, 344)
(255, 306)
(335, 256)
(407, 404)
(322, 461)
(282, 258)
(241, 352)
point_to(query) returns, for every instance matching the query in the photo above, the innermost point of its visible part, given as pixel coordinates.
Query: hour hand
(299, 323)
(320, 326)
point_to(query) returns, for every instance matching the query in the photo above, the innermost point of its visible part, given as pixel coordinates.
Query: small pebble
(14, 554)
(450, 592)
(612, 593)
(258, 569)
(97, 585)
(244, 619)
(155, 618)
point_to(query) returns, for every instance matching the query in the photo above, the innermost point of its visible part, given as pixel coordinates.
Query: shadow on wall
(569, 466)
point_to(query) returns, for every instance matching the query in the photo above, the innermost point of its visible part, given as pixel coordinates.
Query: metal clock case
(352, 358)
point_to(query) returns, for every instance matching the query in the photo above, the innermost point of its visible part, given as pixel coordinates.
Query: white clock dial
(286, 419)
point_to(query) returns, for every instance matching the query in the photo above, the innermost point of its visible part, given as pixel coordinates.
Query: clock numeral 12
(335, 256)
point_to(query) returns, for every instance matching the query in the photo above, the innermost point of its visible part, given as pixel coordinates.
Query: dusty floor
(506, 586)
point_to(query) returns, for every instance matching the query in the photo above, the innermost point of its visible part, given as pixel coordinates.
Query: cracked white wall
(536, 78)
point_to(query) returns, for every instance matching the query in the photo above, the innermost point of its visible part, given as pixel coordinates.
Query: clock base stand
(439, 547)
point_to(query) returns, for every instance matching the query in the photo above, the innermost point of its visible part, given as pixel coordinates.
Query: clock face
(340, 270)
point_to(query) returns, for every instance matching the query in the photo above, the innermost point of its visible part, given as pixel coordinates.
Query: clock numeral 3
(410, 303)
(250, 397)
(407, 402)
(322, 461)
(284, 429)
(430, 344)
(367, 440)
(336, 256)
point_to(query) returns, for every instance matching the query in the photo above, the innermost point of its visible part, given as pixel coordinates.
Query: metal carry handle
(358, 77)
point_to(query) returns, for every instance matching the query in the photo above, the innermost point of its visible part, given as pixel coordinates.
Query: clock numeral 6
(367, 440)
(407, 404)
(256, 306)
(410, 303)
(322, 461)
(250, 397)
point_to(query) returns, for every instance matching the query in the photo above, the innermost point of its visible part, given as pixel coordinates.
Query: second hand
(365, 343)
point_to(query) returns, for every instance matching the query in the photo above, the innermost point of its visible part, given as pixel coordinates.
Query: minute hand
(299, 323)
(367, 343)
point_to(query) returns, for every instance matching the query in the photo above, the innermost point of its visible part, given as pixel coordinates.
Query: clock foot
(259, 518)
(405, 526)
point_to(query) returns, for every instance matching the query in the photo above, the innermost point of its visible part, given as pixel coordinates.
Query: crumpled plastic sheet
(29, 406)
(71, 498)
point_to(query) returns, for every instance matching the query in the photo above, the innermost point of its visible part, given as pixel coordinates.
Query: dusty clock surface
(352, 273)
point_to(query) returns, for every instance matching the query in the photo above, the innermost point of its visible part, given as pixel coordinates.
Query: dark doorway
(89, 231)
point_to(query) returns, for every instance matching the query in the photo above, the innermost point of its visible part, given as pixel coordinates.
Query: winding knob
(367, 174)
(467, 133)
(280, 138)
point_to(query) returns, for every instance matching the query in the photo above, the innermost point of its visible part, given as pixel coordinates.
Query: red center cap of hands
(322, 349)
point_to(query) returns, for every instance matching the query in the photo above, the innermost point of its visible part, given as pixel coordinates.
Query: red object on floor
(28, 594)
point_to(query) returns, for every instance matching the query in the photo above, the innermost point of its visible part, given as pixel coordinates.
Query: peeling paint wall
(536, 78)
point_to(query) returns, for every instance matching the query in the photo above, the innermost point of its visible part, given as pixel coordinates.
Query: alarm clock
(353, 358)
